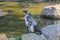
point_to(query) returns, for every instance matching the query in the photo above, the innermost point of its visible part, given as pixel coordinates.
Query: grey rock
(51, 32)
(33, 36)
(51, 11)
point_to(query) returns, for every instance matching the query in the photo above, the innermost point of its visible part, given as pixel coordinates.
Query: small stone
(3, 37)
(3, 13)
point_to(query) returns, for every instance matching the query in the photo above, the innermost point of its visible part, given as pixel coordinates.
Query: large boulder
(51, 32)
(52, 11)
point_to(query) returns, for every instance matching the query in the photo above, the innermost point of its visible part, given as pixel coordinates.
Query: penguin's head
(26, 11)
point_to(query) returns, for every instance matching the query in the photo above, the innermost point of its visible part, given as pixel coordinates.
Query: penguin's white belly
(32, 28)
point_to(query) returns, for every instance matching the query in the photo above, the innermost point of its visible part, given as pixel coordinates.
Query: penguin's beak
(23, 11)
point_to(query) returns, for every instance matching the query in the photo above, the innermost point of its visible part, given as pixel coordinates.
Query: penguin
(32, 25)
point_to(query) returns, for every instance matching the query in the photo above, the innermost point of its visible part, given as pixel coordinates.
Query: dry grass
(17, 9)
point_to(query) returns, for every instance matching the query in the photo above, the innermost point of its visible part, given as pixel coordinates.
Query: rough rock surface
(33, 36)
(51, 32)
(52, 11)
(3, 13)
(3, 37)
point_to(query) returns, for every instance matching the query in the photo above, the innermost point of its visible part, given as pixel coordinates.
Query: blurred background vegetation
(29, 0)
